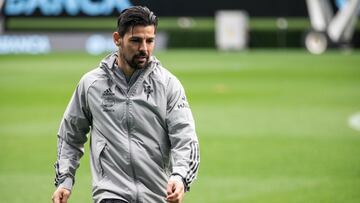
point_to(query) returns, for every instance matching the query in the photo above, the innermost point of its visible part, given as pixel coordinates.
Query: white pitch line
(354, 121)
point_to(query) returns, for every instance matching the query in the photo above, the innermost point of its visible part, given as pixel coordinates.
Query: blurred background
(86, 25)
(273, 86)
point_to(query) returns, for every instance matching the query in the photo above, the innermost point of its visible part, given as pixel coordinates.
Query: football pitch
(273, 124)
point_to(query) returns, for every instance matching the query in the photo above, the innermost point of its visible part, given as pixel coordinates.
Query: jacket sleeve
(185, 151)
(71, 137)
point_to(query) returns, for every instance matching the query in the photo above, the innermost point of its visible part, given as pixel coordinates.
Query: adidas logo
(108, 92)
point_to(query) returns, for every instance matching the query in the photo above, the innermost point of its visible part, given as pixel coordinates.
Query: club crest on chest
(148, 90)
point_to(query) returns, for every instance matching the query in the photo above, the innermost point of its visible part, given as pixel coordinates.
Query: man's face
(137, 45)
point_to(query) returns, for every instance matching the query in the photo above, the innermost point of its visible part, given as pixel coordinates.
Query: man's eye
(135, 40)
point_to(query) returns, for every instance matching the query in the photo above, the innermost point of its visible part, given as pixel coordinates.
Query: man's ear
(117, 39)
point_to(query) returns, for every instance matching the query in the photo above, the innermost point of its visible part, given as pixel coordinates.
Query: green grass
(272, 124)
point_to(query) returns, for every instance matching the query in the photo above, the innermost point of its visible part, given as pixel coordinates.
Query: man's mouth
(141, 58)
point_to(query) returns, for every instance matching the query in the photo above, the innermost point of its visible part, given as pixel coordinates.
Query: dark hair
(136, 15)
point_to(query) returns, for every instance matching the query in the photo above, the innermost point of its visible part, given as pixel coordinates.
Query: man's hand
(175, 191)
(61, 195)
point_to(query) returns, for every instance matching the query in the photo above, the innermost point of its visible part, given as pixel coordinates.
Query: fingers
(170, 188)
(61, 195)
(66, 195)
(175, 192)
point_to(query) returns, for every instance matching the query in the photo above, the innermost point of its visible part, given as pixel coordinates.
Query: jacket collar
(109, 60)
(107, 65)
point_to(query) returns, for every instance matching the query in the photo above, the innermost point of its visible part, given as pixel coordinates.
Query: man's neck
(127, 70)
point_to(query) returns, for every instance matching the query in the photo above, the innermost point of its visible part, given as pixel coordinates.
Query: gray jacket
(141, 133)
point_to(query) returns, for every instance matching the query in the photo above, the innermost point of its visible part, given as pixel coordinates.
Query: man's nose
(143, 46)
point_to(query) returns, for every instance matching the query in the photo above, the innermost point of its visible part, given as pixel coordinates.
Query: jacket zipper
(130, 91)
(130, 148)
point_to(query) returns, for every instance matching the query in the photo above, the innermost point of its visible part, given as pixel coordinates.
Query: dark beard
(134, 64)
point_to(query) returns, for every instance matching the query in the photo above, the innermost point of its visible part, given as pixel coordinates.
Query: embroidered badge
(108, 100)
(148, 90)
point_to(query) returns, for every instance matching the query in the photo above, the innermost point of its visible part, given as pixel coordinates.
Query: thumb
(56, 198)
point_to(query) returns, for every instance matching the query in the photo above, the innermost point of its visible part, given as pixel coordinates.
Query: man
(143, 144)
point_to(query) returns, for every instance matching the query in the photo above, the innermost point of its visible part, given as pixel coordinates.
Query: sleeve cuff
(67, 183)
(177, 178)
